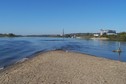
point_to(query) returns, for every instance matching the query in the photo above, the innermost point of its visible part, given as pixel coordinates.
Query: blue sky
(51, 16)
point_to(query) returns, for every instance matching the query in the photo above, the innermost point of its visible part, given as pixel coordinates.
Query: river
(13, 50)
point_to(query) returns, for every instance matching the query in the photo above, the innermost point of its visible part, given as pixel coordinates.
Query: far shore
(63, 67)
(100, 38)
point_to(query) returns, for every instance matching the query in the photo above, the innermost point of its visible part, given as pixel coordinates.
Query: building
(107, 32)
(96, 34)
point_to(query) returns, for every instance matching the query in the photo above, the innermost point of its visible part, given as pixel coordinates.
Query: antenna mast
(63, 34)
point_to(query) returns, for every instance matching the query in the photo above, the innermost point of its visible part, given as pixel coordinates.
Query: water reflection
(119, 56)
(25, 47)
(118, 50)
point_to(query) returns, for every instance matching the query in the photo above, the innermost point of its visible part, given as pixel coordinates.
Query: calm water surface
(13, 50)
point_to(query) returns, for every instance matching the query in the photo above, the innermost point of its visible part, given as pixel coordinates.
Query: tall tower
(101, 32)
(63, 33)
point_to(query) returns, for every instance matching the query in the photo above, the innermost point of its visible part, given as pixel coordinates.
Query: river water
(13, 50)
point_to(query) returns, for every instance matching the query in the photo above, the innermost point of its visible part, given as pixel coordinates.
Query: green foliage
(122, 36)
(8, 35)
(119, 37)
(11, 35)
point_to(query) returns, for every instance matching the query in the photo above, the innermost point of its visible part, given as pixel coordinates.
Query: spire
(63, 33)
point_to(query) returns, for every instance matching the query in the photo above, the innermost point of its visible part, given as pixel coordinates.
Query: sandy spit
(60, 67)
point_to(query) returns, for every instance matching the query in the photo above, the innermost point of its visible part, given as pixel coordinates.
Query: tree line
(8, 35)
(119, 37)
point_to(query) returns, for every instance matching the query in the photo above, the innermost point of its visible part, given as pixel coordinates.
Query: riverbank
(60, 67)
(101, 38)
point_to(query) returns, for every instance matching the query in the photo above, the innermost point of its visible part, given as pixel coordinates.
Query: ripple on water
(22, 60)
(19, 49)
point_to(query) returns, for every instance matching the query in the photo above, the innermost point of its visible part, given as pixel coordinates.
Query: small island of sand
(60, 67)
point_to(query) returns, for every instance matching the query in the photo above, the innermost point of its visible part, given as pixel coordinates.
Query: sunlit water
(13, 50)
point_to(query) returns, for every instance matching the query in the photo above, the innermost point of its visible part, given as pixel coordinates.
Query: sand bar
(60, 67)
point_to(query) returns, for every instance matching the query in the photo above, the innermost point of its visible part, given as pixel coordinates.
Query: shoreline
(64, 68)
(101, 38)
(42, 52)
(24, 59)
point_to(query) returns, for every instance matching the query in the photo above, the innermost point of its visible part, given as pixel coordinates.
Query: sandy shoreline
(101, 38)
(59, 67)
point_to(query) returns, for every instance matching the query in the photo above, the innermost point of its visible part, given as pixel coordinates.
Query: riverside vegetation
(119, 37)
(8, 35)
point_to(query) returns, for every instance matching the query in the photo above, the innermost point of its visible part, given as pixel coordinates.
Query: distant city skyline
(52, 16)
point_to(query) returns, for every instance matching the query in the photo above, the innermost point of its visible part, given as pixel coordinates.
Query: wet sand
(60, 67)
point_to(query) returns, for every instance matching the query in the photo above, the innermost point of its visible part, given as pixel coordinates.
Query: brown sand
(59, 67)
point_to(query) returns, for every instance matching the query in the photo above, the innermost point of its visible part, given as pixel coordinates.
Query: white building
(96, 35)
(107, 32)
